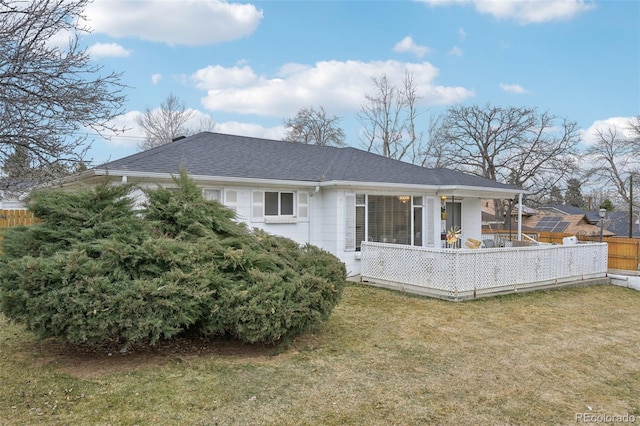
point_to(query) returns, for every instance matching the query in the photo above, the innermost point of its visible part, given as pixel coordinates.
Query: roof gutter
(127, 175)
(455, 190)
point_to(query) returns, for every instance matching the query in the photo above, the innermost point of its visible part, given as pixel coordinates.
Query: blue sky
(249, 65)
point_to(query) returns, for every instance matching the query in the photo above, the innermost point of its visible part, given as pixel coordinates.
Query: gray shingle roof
(215, 154)
(593, 216)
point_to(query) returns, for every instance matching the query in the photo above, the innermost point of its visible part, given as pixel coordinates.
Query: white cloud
(251, 129)
(462, 35)
(456, 51)
(340, 87)
(218, 77)
(134, 135)
(155, 78)
(525, 11)
(108, 50)
(514, 88)
(61, 39)
(408, 45)
(618, 124)
(185, 22)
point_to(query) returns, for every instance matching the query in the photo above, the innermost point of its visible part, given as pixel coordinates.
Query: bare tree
(50, 95)
(514, 145)
(573, 195)
(518, 146)
(615, 157)
(164, 124)
(206, 124)
(389, 119)
(431, 153)
(314, 127)
(633, 126)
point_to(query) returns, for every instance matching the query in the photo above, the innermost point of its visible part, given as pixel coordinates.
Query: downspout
(315, 191)
(520, 217)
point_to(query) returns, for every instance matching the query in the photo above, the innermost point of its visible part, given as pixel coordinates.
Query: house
(13, 195)
(492, 223)
(331, 197)
(9, 201)
(576, 224)
(618, 223)
(571, 219)
(593, 217)
(556, 218)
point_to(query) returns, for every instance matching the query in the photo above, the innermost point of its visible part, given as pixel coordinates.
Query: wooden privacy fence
(624, 253)
(9, 218)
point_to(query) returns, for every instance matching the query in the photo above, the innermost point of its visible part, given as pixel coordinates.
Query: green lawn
(383, 358)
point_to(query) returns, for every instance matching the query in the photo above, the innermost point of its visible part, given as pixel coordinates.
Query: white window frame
(206, 192)
(427, 217)
(300, 204)
(231, 199)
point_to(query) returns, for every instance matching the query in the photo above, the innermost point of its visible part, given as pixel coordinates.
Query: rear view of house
(331, 197)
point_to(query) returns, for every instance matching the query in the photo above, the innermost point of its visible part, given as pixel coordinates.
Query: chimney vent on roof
(177, 138)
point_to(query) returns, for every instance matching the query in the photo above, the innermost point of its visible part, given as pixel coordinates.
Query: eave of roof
(216, 157)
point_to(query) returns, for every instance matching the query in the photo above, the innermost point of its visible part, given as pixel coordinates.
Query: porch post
(520, 217)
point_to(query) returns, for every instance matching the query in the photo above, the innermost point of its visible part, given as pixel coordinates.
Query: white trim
(280, 219)
(229, 194)
(457, 190)
(208, 178)
(257, 206)
(303, 206)
(349, 222)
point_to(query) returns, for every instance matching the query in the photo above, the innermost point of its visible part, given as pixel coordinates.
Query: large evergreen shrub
(97, 271)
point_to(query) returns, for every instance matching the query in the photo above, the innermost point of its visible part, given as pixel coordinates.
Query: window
(397, 219)
(212, 194)
(417, 221)
(361, 215)
(279, 206)
(231, 199)
(389, 219)
(278, 203)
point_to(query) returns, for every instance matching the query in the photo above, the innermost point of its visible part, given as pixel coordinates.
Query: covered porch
(459, 274)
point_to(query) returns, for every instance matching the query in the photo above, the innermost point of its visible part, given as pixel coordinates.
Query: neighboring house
(331, 197)
(556, 218)
(491, 223)
(14, 197)
(578, 221)
(593, 217)
(576, 224)
(618, 223)
(10, 201)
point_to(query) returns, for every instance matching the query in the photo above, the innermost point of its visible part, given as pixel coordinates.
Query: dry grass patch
(383, 358)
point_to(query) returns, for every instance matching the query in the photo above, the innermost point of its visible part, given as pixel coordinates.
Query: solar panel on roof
(551, 224)
(549, 219)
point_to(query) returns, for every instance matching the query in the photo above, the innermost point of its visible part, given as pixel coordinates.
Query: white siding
(471, 218)
(326, 215)
(432, 219)
(350, 222)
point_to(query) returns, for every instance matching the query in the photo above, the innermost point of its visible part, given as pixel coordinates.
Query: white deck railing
(461, 274)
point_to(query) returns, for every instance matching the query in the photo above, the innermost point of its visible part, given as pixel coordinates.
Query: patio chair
(472, 243)
(489, 243)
